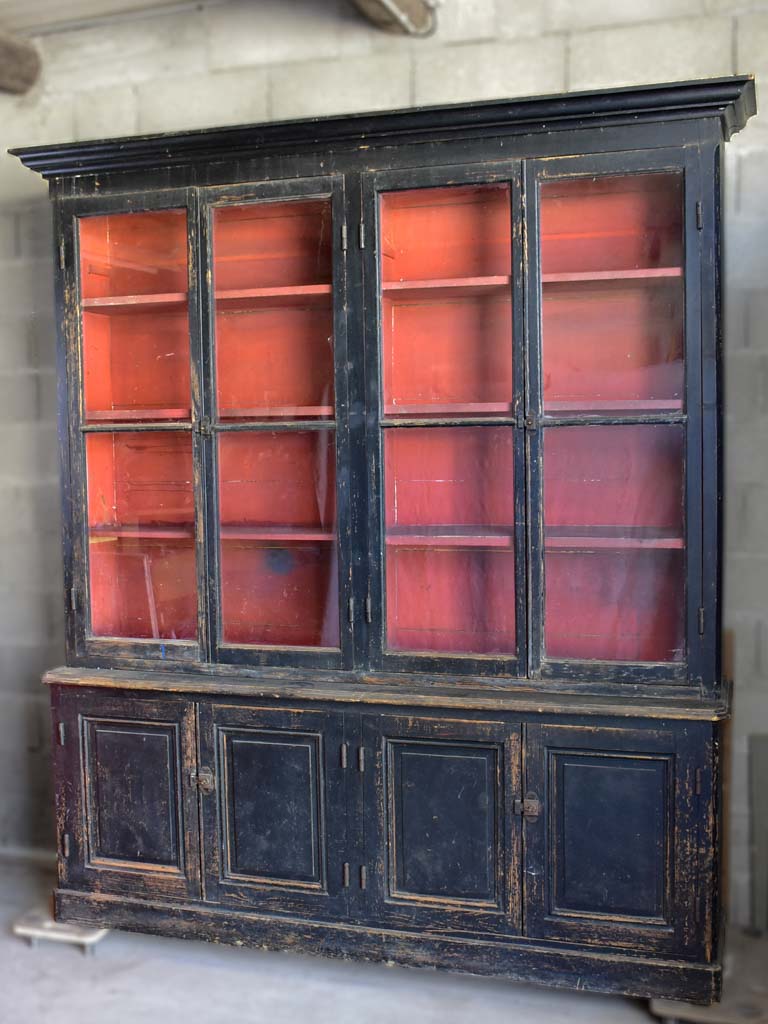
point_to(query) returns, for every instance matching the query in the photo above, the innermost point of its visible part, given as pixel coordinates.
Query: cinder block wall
(275, 59)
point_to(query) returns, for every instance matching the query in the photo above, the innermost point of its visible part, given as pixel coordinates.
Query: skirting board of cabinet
(567, 968)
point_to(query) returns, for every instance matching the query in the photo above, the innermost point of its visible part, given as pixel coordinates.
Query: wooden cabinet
(391, 461)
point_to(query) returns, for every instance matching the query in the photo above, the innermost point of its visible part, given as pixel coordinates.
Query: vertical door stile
(532, 415)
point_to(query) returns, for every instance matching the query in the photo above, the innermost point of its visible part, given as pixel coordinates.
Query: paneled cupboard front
(391, 477)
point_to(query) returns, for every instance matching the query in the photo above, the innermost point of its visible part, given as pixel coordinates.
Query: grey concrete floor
(137, 979)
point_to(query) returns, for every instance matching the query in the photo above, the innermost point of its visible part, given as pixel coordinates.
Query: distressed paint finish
(543, 820)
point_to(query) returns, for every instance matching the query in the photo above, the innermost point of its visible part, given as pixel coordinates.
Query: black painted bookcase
(391, 475)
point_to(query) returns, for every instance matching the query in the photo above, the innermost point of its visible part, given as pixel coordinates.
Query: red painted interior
(267, 245)
(131, 254)
(614, 538)
(612, 303)
(277, 496)
(449, 513)
(456, 232)
(611, 223)
(275, 362)
(141, 538)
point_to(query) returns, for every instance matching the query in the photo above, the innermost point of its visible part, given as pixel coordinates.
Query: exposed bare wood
(19, 64)
(409, 17)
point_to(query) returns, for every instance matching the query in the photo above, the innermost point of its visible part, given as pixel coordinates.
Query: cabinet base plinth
(519, 960)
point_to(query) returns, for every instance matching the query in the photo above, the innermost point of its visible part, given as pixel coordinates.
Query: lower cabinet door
(613, 857)
(126, 807)
(442, 843)
(274, 825)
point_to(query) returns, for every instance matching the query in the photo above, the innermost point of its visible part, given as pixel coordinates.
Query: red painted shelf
(137, 414)
(451, 537)
(287, 412)
(184, 531)
(571, 538)
(455, 287)
(632, 274)
(450, 409)
(238, 299)
(282, 534)
(609, 405)
(122, 305)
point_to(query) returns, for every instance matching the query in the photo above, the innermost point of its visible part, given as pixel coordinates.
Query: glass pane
(277, 498)
(614, 542)
(274, 310)
(133, 276)
(446, 262)
(449, 515)
(612, 294)
(141, 535)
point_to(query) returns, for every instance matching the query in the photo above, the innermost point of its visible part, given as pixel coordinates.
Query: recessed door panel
(275, 831)
(612, 857)
(444, 844)
(130, 810)
(273, 806)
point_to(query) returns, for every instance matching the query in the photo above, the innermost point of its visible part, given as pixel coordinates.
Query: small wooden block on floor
(38, 924)
(745, 988)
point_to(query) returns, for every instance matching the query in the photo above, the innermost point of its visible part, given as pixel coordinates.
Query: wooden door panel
(612, 857)
(127, 797)
(274, 823)
(442, 843)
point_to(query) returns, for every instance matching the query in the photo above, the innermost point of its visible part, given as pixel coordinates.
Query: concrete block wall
(246, 61)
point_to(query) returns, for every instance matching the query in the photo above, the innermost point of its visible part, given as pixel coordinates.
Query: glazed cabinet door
(444, 380)
(442, 842)
(126, 804)
(613, 858)
(274, 806)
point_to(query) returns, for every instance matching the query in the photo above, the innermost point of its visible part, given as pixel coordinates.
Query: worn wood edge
(584, 970)
(730, 99)
(370, 690)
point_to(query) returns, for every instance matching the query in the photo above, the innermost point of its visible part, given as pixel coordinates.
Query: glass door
(278, 334)
(607, 395)
(136, 418)
(451, 501)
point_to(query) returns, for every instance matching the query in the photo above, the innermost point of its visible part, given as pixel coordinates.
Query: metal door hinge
(73, 598)
(363, 876)
(344, 240)
(343, 754)
(699, 215)
(361, 759)
(65, 845)
(345, 875)
(61, 732)
(203, 426)
(62, 259)
(701, 621)
(368, 607)
(361, 234)
(203, 778)
(528, 807)
(351, 611)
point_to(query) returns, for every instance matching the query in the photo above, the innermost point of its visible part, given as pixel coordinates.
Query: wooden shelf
(609, 405)
(633, 274)
(117, 305)
(183, 531)
(282, 534)
(453, 287)
(139, 415)
(450, 409)
(451, 537)
(286, 412)
(241, 299)
(605, 538)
